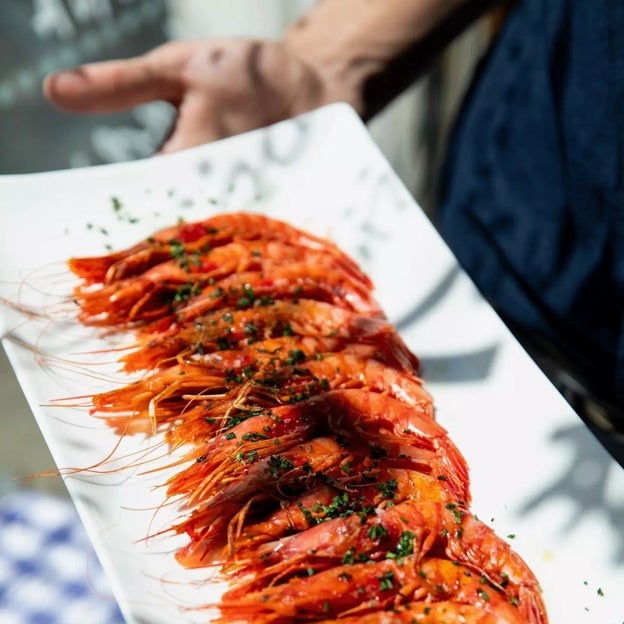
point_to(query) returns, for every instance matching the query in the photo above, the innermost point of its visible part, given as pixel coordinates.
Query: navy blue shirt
(532, 200)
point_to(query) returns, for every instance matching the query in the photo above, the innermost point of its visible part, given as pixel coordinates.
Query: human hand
(222, 87)
(219, 87)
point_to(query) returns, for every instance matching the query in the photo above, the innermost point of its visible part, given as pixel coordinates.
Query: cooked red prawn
(363, 586)
(442, 612)
(521, 603)
(174, 387)
(295, 280)
(189, 238)
(345, 465)
(291, 516)
(171, 284)
(317, 506)
(357, 589)
(351, 371)
(250, 386)
(257, 353)
(249, 472)
(382, 419)
(232, 328)
(466, 600)
(298, 468)
(348, 365)
(409, 527)
(122, 304)
(258, 467)
(259, 435)
(400, 529)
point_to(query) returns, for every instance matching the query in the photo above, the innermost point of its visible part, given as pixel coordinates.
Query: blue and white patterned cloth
(49, 573)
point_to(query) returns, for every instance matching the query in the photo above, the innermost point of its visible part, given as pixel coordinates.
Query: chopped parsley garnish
(247, 299)
(388, 488)
(404, 547)
(349, 556)
(279, 465)
(246, 458)
(254, 436)
(307, 514)
(483, 595)
(186, 292)
(295, 356)
(251, 329)
(386, 581)
(377, 531)
(459, 515)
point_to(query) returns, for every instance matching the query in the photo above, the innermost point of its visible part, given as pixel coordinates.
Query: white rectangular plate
(539, 477)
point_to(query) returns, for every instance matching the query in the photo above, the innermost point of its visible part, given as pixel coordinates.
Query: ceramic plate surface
(539, 478)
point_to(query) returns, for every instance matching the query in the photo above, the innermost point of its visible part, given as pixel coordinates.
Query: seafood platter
(275, 397)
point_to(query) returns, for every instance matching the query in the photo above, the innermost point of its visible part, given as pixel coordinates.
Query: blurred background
(40, 36)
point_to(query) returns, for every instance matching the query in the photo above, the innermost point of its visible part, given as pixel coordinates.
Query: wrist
(336, 59)
(352, 43)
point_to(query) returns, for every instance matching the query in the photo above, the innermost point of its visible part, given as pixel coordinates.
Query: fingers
(117, 85)
(198, 122)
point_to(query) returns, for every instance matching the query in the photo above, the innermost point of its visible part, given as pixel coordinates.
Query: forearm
(374, 48)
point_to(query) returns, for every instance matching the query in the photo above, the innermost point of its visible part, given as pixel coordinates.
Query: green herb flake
(279, 465)
(388, 488)
(307, 514)
(254, 436)
(250, 329)
(295, 356)
(349, 557)
(377, 531)
(386, 581)
(405, 545)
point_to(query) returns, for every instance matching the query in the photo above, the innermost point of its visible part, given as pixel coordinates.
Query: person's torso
(533, 197)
